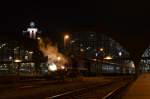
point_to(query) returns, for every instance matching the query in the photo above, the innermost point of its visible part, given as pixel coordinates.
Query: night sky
(128, 22)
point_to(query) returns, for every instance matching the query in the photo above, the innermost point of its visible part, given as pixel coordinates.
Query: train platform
(140, 89)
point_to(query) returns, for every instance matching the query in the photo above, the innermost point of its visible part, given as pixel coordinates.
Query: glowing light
(32, 24)
(17, 60)
(72, 41)
(108, 58)
(32, 32)
(92, 35)
(10, 58)
(120, 53)
(38, 38)
(30, 52)
(94, 59)
(96, 54)
(101, 49)
(88, 48)
(58, 58)
(66, 36)
(82, 50)
(62, 67)
(133, 66)
(52, 67)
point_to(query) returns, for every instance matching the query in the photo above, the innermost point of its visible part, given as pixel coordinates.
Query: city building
(19, 56)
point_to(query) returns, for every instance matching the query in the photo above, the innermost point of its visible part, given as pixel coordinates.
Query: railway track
(68, 90)
(102, 91)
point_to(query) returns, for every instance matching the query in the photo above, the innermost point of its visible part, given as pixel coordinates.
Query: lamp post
(66, 38)
(102, 58)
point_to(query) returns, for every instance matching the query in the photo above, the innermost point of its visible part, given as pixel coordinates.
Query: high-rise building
(32, 31)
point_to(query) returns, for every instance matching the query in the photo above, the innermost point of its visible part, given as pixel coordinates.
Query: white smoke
(54, 56)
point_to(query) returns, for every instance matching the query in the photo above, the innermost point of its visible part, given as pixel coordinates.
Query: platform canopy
(136, 44)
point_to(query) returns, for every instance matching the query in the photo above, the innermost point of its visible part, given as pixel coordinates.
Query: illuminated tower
(32, 31)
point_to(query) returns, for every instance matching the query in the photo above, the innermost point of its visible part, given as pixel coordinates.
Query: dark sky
(52, 16)
(127, 21)
(131, 25)
(55, 15)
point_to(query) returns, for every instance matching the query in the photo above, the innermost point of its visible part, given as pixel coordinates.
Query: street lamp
(66, 37)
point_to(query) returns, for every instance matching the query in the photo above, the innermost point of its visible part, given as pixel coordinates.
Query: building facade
(96, 47)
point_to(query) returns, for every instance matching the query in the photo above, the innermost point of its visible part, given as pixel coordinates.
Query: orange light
(58, 58)
(66, 36)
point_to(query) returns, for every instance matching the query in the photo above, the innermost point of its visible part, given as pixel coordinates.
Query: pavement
(140, 89)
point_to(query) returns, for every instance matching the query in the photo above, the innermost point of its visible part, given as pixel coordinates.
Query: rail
(77, 91)
(87, 89)
(116, 91)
